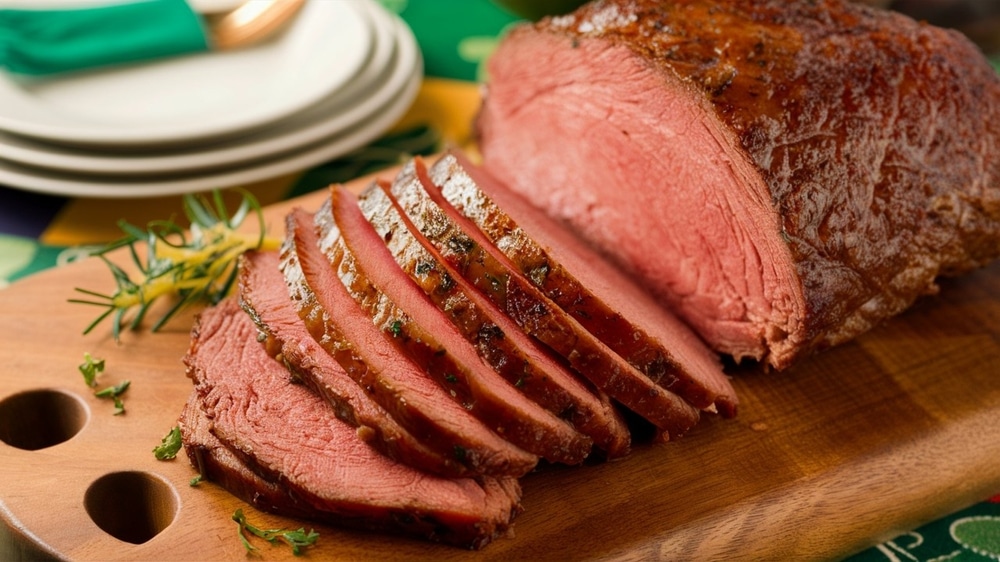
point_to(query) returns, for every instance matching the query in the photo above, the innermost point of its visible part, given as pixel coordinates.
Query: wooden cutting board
(849, 448)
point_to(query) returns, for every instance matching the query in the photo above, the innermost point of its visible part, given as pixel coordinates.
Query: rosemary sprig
(197, 264)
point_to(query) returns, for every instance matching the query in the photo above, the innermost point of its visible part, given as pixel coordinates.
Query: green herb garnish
(90, 368)
(195, 265)
(171, 444)
(296, 539)
(114, 393)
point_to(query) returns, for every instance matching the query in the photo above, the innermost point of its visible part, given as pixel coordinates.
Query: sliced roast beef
(288, 434)
(421, 332)
(264, 295)
(216, 463)
(476, 316)
(415, 401)
(783, 175)
(541, 262)
(536, 375)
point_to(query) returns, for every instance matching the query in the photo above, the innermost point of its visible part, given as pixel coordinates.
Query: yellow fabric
(447, 105)
(95, 221)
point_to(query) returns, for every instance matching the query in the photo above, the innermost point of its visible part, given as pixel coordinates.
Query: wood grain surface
(848, 448)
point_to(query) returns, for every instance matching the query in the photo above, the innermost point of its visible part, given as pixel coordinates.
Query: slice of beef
(288, 434)
(516, 359)
(216, 463)
(264, 295)
(420, 331)
(784, 175)
(476, 316)
(415, 401)
(515, 249)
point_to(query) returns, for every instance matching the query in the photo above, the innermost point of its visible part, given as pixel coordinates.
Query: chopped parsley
(114, 393)
(90, 368)
(171, 444)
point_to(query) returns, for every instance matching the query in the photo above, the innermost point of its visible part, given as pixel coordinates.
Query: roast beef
(289, 435)
(784, 175)
(415, 401)
(264, 295)
(522, 364)
(478, 317)
(535, 259)
(216, 463)
(420, 331)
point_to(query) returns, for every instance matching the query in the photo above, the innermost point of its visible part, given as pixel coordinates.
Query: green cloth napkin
(42, 42)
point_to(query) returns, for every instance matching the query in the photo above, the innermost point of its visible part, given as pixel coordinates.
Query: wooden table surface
(848, 448)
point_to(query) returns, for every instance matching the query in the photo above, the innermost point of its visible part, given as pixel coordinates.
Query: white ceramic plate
(196, 97)
(214, 6)
(43, 181)
(383, 76)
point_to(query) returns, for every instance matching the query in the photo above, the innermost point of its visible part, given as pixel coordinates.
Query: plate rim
(300, 160)
(309, 125)
(80, 135)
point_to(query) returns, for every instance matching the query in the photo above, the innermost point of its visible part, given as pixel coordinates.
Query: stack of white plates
(337, 78)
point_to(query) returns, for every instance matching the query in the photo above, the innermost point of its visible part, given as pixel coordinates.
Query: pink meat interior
(636, 163)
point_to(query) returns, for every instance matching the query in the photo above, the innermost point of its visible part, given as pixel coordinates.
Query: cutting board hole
(37, 419)
(131, 506)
